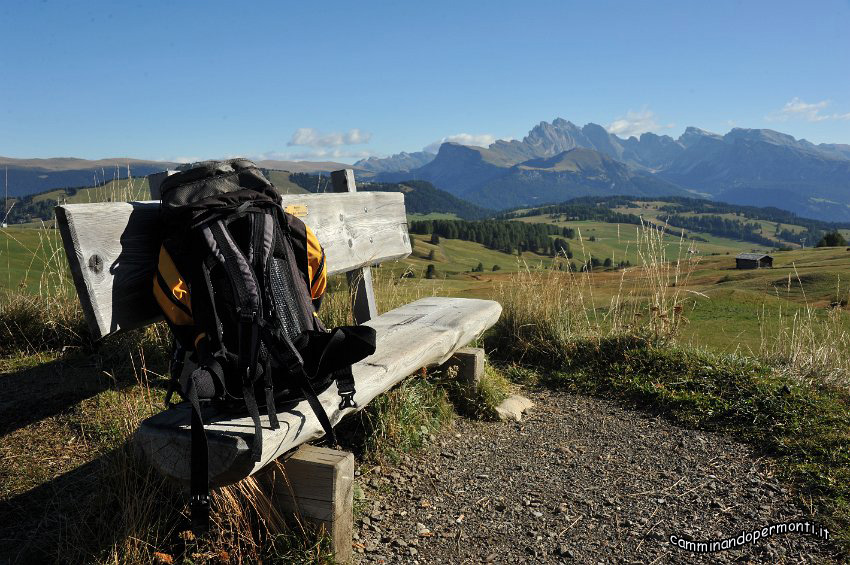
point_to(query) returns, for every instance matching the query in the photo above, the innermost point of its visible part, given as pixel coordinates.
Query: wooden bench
(112, 249)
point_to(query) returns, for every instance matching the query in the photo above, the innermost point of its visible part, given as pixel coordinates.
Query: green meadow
(725, 309)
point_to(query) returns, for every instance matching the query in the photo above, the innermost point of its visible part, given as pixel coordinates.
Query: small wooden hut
(753, 261)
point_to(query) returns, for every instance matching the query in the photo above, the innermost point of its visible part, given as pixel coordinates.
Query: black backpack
(239, 281)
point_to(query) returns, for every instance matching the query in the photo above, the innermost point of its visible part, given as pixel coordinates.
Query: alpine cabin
(753, 261)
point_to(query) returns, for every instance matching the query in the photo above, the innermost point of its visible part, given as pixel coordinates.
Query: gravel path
(579, 480)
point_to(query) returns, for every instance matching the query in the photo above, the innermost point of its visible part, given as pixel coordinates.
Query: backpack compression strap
(246, 293)
(200, 385)
(262, 241)
(292, 361)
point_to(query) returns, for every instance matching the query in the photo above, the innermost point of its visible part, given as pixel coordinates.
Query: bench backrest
(112, 248)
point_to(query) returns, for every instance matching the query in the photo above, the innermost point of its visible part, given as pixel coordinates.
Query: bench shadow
(35, 393)
(39, 525)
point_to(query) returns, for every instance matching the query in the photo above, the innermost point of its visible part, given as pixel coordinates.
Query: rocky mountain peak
(693, 135)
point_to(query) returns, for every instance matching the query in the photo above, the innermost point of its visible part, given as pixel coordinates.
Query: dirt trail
(580, 480)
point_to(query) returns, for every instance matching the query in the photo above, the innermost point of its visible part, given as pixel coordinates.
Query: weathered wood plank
(364, 307)
(317, 483)
(423, 333)
(112, 248)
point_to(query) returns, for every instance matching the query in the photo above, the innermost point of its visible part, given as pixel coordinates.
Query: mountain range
(559, 160)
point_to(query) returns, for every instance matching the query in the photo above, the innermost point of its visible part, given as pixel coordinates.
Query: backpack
(239, 281)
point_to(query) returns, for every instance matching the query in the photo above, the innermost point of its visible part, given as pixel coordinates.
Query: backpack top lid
(203, 184)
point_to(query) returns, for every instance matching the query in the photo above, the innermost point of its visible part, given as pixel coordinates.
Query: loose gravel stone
(580, 480)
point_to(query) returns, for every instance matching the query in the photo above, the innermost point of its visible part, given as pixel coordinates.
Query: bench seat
(423, 333)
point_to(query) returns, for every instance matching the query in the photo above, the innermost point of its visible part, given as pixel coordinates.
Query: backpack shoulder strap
(247, 294)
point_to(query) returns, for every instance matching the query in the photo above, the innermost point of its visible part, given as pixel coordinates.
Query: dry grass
(30, 324)
(48, 317)
(545, 309)
(104, 503)
(808, 344)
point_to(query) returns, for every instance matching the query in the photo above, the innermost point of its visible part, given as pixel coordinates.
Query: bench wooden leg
(318, 486)
(470, 365)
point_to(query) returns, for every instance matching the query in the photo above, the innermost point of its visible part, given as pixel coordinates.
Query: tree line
(508, 237)
(578, 209)
(723, 227)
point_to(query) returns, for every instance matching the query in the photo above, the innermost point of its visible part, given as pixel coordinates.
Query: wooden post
(318, 485)
(470, 364)
(363, 307)
(155, 180)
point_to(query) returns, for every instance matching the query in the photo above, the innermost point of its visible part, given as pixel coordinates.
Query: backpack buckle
(347, 400)
(199, 505)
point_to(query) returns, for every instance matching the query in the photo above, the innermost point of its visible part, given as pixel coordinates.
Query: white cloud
(185, 160)
(811, 112)
(314, 154)
(636, 123)
(313, 138)
(480, 140)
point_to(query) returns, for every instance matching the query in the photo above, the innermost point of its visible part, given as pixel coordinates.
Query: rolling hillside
(420, 197)
(33, 176)
(763, 227)
(39, 207)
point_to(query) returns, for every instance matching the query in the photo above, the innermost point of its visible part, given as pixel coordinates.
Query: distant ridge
(758, 167)
(32, 176)
(396, 163)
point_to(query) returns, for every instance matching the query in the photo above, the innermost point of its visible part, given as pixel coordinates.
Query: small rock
(564, 551)
(513, 407)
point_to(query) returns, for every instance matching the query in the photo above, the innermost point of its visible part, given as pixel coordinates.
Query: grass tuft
(31, 324)
(403, 419)
(478, 402)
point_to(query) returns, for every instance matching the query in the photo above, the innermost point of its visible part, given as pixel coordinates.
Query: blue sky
(342, 80)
